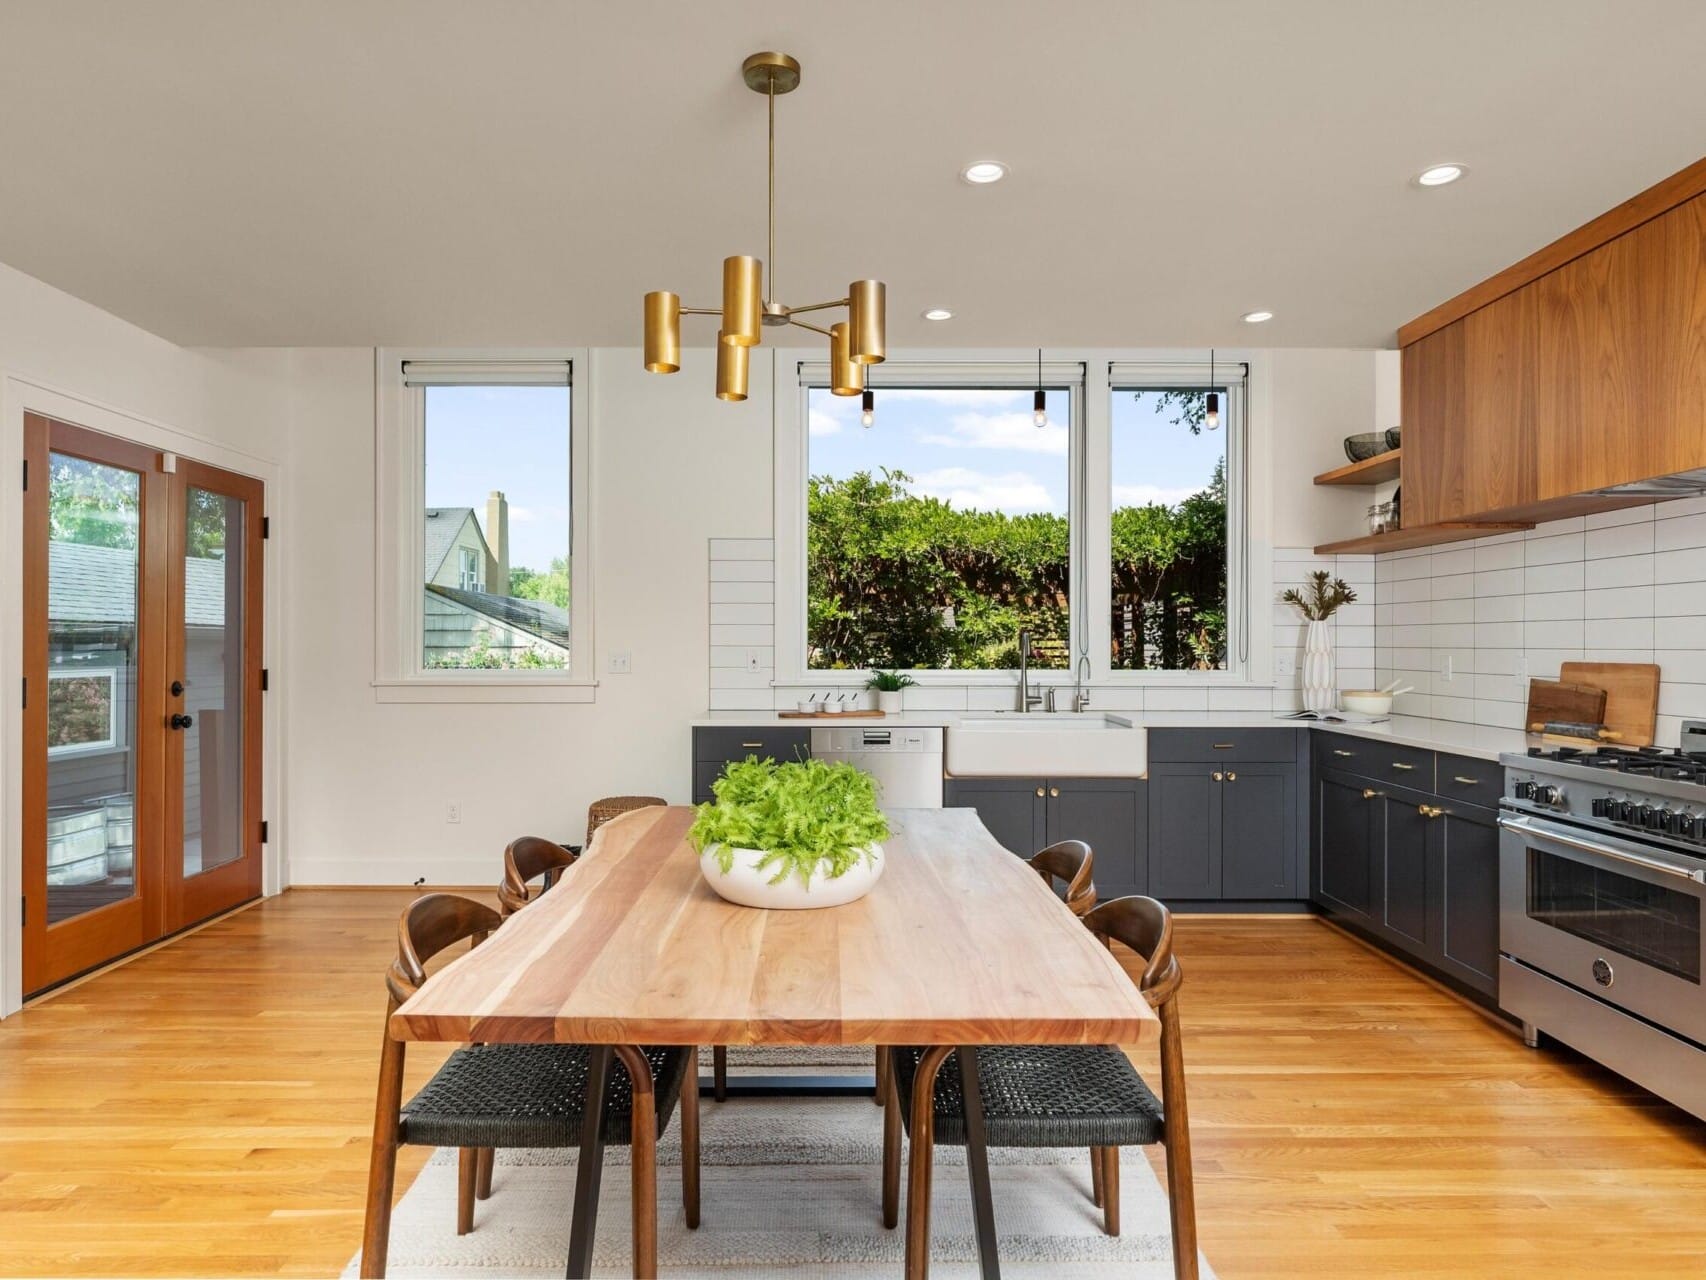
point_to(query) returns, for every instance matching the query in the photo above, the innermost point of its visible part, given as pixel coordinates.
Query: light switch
(620, 664)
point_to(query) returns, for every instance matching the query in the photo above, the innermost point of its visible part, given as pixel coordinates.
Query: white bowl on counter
(1366, 702)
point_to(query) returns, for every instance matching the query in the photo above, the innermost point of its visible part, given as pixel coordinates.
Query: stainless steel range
(1602, 886)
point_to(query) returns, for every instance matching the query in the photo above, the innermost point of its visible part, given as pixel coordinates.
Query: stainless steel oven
(1613, 918)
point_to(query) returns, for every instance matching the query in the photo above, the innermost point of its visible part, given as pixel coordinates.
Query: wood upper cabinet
(1581, 368)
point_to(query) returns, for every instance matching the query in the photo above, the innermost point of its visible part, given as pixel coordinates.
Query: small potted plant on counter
(887, 685)
(790, 836)
(1320, 600)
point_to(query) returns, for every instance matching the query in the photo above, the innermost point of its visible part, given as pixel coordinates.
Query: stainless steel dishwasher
(907, 763)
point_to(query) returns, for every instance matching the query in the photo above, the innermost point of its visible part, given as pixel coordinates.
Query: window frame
(399, 479)
(1094, 375)
(113, 741)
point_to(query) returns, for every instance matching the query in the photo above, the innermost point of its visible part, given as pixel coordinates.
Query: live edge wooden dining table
(960, 944)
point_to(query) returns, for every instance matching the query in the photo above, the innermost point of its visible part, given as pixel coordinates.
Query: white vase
(1319, 693)
(747, 886)
(890, 701)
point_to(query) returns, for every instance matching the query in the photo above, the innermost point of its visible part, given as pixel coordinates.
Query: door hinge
(26, 700)
(26, 475)
(23, 911)
(263, 831)
(263, 679)
(266, 527)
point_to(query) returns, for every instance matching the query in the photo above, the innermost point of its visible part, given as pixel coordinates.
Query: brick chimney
(497, 538)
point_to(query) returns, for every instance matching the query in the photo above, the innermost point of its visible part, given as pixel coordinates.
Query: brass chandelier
(854, 342)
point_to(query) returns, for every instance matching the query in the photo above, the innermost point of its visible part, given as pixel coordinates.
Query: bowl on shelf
(1366, 445)
(1393, 437)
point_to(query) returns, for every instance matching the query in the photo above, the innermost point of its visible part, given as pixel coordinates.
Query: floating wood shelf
(1376, 470)
(1425, 535)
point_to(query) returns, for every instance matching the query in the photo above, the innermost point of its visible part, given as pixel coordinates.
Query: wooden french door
(142, 683)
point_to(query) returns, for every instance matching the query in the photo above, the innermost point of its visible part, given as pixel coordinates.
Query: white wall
(65, 357)
(672, 468)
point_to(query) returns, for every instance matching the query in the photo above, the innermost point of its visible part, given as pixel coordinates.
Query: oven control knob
(1547, 794)
(1523, 790)
(1602, 973)
(1688, 826)
(1669, 821)
(1603, 807)
(1646, 817)
(1626, 811)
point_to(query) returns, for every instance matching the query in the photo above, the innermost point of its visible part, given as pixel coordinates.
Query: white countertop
(1413, 731)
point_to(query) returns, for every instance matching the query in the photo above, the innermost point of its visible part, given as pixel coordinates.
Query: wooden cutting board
(1631, 696)
(1564, 702)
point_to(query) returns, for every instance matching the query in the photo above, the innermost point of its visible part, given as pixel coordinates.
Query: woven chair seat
(1043, 1096)
(530, 1095)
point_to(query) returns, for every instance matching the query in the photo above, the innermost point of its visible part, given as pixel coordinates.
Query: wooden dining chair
(1070, 862)
(1071, 1095)
(525, 860)
(511, 1095)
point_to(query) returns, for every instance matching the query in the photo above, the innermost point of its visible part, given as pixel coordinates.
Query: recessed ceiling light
(1440, 174)
(938, 313)
(984, 171)
(1258, 317)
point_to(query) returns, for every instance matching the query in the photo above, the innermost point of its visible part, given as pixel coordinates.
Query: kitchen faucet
(1027, 699)
(1081, 684)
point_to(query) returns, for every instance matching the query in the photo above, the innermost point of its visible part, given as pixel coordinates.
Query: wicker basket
(602, 811)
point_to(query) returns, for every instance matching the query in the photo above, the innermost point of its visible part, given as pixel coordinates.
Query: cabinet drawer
(765, 741)
(1383, 761)
(1207, 746)
(1470, 781)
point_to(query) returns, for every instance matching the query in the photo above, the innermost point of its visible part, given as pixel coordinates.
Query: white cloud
(1141, 495)
(826, 420)
(1017, 431)
(1013, 491)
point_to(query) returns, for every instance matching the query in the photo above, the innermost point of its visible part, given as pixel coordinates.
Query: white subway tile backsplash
(743, 549)
(748, 635)
(1167, 698)
(1553, 548)
(1621, 571)
(743, 592)
(1455, 561)
(1454, 586)
(1671, 532)
(742, 571)
(1619, 602)
(1552, 605)
(1619, 540)
(1679, 633)
(1240, 699)
(1498, 582)
(1619, 633)
(1553, 633)
(1628, 515)
(1498, 608)
(1501, 554)
(1687, 564)
(1565, 576)
(1680, 599)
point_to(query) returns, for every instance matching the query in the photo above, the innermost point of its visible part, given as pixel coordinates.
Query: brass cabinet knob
(1232, 777)
(1039, 791)
(1430, 811)
(1368, 793)
(1054, 792)
(1218, 776)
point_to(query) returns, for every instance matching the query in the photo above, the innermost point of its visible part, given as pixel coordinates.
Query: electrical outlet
(453, 811)
(752, 661)
(1285, 665)
(1521, 672)
(621, 663)
(1445, 670)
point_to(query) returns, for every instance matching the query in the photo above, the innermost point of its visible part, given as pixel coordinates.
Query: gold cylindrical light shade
(663, 332)
(845, 377)
(732, 366)
(867, 321)
(743, 292)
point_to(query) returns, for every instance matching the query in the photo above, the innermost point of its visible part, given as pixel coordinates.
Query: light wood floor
(205, 1110)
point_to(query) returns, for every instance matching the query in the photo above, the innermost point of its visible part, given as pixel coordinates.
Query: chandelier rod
(814, 328)
(770, 264)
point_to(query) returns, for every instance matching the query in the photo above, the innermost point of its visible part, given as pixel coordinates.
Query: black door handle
(181, 721)
(177, 688)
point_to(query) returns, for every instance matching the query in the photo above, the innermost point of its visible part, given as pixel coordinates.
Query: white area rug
(790, 1187)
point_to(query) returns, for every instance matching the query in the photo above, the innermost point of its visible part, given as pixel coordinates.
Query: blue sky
(511, 438)
(981, 448)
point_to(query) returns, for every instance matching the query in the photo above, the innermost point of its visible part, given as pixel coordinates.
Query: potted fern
(888, 686)
(1324, 596)
(791, 836)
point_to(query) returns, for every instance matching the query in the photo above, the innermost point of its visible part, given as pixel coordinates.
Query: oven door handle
(1651, 864)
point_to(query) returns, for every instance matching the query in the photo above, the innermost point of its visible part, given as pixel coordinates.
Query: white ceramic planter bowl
(1367, 702)
(749, 887)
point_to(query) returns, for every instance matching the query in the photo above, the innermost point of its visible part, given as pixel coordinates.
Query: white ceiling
(327, 172)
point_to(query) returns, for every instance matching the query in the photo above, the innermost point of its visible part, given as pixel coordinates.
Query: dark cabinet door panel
(1344, 835)
(1012, 808)
(1258, 832)
(1404, 911)
(1467, 931)
(1107, 815)
(1184, 831)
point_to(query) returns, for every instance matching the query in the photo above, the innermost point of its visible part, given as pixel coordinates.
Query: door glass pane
(93, 557)
(1628, 917)
(213, 680)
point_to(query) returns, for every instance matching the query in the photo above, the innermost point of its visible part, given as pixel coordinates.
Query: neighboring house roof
(98, 584)
(443, 525)
(545, 621)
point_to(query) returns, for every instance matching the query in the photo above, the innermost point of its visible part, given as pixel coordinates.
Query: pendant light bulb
(1039, 408)
(867, 408)
(1211, 419)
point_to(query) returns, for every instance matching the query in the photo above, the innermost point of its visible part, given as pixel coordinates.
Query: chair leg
(1176, 1138)
(467, 1175)
(720, 1073)
(882, 1076)
(382, 1161)
(644, 1161)
(483, 1183)
(922, 1156)
(1111, 1190)
(891, 1142)
(690, 1140)
(1096, 1175)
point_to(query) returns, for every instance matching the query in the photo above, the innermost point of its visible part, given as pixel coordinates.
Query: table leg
(923, 1103)
(589, 1169)
(977, 1166)
(643, 1164)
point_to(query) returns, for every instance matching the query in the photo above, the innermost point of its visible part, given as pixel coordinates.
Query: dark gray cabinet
(1415, 868)
(1028, 814)
(1222, 834)
(715, 746)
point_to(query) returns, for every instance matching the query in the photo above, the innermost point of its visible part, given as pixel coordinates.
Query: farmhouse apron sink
(1061, 744)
